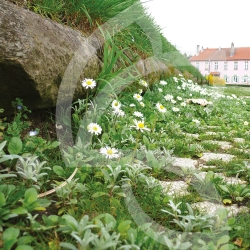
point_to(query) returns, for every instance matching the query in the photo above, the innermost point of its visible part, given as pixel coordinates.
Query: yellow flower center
(116, 103)
(88, 82)
(109, 152)
(141, 125)
(95, 128)
(161, 107)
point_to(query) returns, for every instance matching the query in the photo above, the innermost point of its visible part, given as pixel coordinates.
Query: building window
(245, 78)
(197, 65)
(226, 78)
(246, 65)
(235, 65)
(235, 78)
(216, 66)
(225, 65)
(206, 65)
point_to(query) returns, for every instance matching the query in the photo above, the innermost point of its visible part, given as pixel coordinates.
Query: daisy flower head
(246, 123)
(109, 152)
(183, 104)
(160, 107)
(94, 128)
(196, 121)
(142, 104)
(175, 109)
(162, 82)
(179, 98)
(138, 97)
(88, 83)
(132, 105)
(173, 101)
(168, 97)
(139, 125)
(138, 114)
(33, 133)
(140, 91)
(143, 83)
(119, 112)
(116, 104)
(160, 90)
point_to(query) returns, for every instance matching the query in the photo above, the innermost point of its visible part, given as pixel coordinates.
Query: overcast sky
(213, 23)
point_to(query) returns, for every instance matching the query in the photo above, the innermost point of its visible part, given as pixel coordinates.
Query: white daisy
(160, 90)
(140, 91)
(119, 112)
(179, 98)
(88, 83)
(116, 104)
(138, 114)
(138, 97)
(33, 133)
(94, 128)
(163, 82)
(139, 125)
(142, 104)
(160, 107)
(168, 97)
(143, 83)
(196, 121)
(246, 123)
(173, 101)
(132, 105)
(183, 104)
(109, 152)
(175, 109)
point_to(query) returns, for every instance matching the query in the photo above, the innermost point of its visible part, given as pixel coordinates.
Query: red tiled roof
(222, 54)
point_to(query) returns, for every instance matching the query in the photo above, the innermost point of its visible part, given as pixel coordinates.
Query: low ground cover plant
(131, 147)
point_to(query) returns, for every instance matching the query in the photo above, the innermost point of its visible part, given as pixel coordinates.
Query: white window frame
(235, 65)
(245, 78)
(225, 65)
(246, 65)
(235, 79)
(226, 78)
(216, 66)
(206, 65)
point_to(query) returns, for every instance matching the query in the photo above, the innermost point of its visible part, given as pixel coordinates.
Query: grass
(115, 199)
(98, 190)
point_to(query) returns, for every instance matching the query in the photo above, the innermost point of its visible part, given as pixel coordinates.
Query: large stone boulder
(43, 62)
(34, 54)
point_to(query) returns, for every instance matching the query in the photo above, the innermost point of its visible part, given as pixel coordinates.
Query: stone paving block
(178, 188)
(211, 208)
(213, 156)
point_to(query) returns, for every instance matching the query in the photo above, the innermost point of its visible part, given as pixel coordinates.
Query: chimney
(232, 49)
(201, 48)
(198, 50)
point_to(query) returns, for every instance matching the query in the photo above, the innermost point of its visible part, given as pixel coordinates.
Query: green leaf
(55, 144)
(15, 145)
(2, 200)
(99, 194)
(124, 226)
(24, 247)
(10, 236)
(27, 239)
(59, 171)
(30, 196)
(224, 188)
(223, 240)
(227, 247)
(19, 210)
